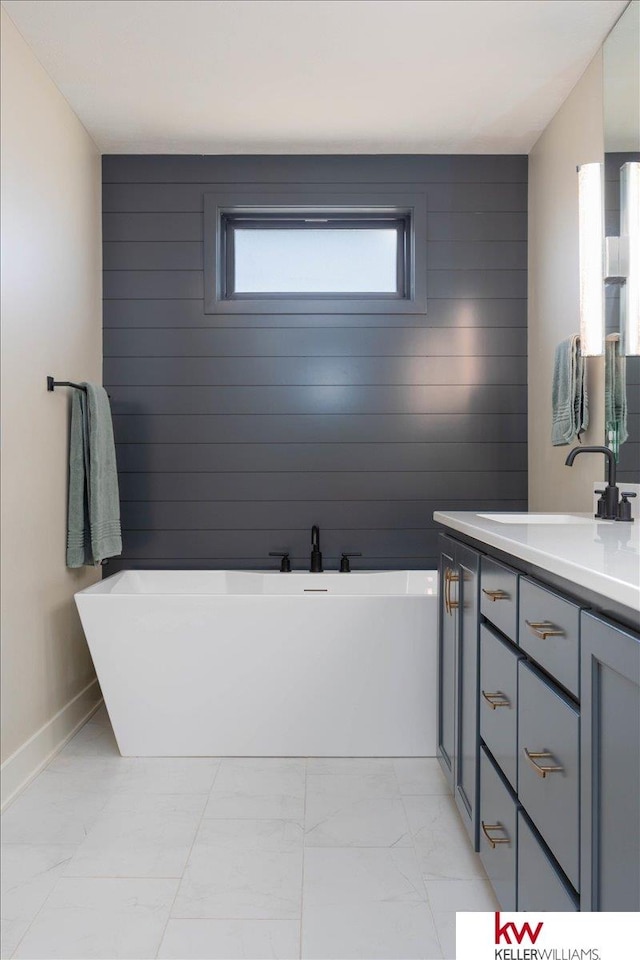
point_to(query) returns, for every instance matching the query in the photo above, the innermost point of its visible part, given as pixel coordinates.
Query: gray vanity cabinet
(447, 619)
(467, 656)
(610, 766)
(539, 731)
(458, 654)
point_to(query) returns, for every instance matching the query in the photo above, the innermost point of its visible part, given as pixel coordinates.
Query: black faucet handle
(285, 563)
(601, 506)
(624, 507)
(345, 566)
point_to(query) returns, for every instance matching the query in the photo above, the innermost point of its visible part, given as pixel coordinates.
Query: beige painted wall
(574, 136)
(51, 324)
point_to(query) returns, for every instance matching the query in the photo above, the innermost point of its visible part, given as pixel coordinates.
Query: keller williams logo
(519, 935)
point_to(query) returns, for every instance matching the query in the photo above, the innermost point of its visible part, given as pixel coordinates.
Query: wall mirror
(621, 72)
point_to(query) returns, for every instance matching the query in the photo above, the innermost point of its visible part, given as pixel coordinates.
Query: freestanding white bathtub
(231, 663)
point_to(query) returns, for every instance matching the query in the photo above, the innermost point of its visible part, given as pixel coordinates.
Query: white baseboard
(21, 767)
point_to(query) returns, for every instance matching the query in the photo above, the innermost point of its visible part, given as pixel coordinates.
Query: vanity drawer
(549, 631)
(541, 886)
(499, 596)
(548, 766)
(498, 832)
(499, 701)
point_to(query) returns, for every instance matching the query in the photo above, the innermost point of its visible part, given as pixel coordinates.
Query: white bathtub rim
(108, 585)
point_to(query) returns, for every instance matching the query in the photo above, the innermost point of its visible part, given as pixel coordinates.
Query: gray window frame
(316, 220)
(264, 206)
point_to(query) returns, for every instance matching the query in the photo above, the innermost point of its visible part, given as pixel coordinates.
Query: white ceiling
(314, 76)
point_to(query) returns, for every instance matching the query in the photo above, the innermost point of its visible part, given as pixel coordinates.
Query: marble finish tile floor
(105, 857)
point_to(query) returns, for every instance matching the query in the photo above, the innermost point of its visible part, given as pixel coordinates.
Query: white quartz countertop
(602, 556)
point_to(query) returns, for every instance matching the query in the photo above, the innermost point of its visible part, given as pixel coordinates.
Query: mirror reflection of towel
(615, 393)
(569, 399)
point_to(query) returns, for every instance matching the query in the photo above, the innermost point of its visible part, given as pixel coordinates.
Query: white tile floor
(236, 858)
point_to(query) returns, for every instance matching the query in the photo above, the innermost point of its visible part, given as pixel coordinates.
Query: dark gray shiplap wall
(629, 460)
(237, 433)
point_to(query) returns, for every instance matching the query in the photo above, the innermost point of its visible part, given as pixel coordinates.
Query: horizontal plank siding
(166, 544)
(153, 255)
(443, 312)
(306, 457)
(629, 463)
(187, 197)
(315, 485)
(140, 284)
(258, 401)
(236, 433)
(322, 342)
(293, 516)
(313, 371)
(629, 455)
(159, 227)
(320, 428)
(483, 168)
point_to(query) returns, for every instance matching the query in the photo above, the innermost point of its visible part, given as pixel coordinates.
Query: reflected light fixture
(591, 247)
(630, 237)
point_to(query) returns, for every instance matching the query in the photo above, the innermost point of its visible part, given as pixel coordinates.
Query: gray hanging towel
(569, 400)
(93, 531)
(615, 393)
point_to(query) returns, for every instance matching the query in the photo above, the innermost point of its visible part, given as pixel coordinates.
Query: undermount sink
(542, 518)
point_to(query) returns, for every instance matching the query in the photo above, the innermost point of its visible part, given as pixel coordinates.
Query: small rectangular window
(270, 249)
(315, 256)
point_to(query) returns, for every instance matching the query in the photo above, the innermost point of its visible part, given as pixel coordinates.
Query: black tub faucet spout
(316, 556)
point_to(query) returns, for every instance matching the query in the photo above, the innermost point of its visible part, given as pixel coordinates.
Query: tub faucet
(608, 504)
(316, 556)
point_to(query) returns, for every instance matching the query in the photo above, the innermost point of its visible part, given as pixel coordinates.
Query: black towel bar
(52, 384)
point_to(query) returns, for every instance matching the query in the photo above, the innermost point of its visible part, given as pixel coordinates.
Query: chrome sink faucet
(609, 506)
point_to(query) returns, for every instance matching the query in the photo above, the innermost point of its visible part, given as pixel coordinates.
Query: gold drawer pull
(496, 700)
(449, 578)
(540, 768)
(494, 841)
(543, 629)
(496, 594)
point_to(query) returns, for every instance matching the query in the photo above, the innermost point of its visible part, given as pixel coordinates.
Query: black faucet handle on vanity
(601, 505)
(624, 507)
(345, 566)
(285, 563)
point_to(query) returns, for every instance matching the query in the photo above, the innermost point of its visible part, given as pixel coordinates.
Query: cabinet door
(447, 607)
(541, 885)
(549, 767)
(467, 658)
(499, 700)
(610, 763)
(499, 596)
(498, 809)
